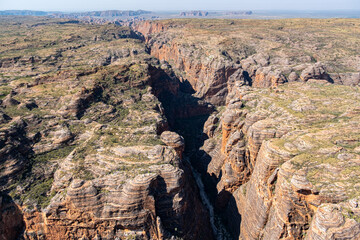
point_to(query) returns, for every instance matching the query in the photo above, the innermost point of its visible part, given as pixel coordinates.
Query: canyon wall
(211, 66)
(85, 147)
(143, 190)
(279, 180)
(274, 155)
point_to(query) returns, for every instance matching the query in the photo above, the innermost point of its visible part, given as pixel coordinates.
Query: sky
(163, 5)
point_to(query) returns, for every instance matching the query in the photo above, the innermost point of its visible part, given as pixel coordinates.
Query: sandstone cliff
(282, 162)
(82, 156)
(262, 187)
(212, 53)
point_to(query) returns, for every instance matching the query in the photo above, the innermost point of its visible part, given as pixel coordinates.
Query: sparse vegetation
(54, 154)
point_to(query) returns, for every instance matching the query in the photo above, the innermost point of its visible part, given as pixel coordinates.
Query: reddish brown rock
(145, 206)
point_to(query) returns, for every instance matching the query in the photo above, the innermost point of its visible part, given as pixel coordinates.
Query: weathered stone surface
(213, 66)
(134, 206)
(330, 223)
(9, 101)
(293, 77)
(14, 150)
(270, 172)
(316, 71)
(86, 159)
(174, 140)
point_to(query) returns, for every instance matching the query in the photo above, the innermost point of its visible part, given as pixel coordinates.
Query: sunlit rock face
(86, 151)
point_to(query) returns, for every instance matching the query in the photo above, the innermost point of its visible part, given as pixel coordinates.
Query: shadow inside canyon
(186, 115)
(12, 223)
(164, 202)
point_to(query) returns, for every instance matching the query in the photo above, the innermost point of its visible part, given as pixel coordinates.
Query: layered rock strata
(85, 149)
(282, 162)
(211, 55)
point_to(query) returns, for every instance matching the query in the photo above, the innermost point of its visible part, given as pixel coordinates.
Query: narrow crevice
(186, 115)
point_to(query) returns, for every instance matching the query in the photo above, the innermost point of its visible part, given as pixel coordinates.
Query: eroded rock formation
(212, 65)
(89, 148)
(85, 151)
(281, 178)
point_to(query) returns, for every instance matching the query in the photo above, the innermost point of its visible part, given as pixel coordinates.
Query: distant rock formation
(194, 14)
(239, 13)
(103, 14)
(24, 13)
(221, 13)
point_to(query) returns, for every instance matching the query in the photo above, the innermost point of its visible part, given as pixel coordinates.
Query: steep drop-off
(278, 164)
(85, 149)
(212, 54)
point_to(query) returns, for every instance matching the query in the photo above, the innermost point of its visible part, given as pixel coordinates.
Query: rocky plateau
(179, 129)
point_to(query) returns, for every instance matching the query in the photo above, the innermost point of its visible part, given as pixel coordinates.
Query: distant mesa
(222, 13)
(24, 13)
(239, 13)
(194, 14)
(104, 14)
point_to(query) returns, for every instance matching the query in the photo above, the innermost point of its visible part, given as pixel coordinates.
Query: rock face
(174, 140)
(83, 152)
(279, 181)
(15, 149)
(148, 28)
(149, 202)
(212, 64)
(314, 72)
(11, 218)
(207, 78)
(330, 223)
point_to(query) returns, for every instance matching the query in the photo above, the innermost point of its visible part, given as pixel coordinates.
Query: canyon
(180, 129)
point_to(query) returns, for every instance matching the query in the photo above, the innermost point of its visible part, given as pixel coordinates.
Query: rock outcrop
(255, 179)
(282, 180)
(85, 151)
(15, 149)
(110, 207)
(212, 66)
(174, 140)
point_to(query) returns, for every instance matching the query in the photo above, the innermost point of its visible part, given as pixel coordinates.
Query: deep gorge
(178, 129)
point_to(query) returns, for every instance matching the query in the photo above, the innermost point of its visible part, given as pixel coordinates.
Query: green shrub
(54, 154)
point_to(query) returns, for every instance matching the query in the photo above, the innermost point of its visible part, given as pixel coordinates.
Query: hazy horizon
(178, 10)
(185, 5)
